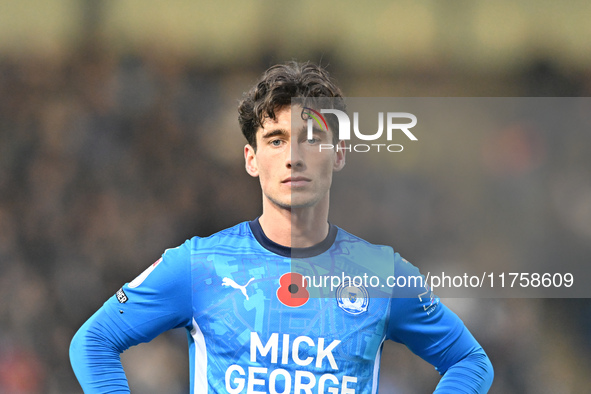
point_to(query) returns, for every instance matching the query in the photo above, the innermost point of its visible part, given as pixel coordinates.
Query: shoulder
(227, 235)
(346, 236)
(354, 243)
(374, 259)
(383, 259)
(182, 253)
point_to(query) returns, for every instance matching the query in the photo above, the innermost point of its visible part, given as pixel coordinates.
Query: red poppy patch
(292, 290)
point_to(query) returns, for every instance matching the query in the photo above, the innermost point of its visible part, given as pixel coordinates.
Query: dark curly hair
(277, 86)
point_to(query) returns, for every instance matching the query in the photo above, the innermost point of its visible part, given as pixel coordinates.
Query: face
(293, 171)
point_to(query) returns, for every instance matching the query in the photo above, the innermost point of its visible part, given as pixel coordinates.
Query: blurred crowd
(104, 164)
(107, 159)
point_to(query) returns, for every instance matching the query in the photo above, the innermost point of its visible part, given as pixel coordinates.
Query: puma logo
(229, 282)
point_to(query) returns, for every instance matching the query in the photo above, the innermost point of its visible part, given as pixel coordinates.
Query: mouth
(296, 181)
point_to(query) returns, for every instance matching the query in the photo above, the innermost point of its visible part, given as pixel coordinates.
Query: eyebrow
(274, 133)
(315, 130)
(283, 132)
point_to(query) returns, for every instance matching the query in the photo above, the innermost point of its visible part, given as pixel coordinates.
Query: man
(252, 324)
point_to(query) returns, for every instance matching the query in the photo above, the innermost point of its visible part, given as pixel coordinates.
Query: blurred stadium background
(118, 139)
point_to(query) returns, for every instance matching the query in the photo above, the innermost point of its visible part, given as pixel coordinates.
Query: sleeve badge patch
(121, 296)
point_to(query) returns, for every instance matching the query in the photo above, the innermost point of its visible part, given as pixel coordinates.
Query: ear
(339, 161)
(250, 159)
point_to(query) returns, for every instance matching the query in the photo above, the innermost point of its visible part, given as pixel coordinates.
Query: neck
(295, 227)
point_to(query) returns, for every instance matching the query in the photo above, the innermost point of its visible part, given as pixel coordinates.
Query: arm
(432, 331)
(94, 354)
(472, 374)
(158, 300)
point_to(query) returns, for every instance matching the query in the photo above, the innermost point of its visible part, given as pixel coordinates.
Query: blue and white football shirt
(254, 327)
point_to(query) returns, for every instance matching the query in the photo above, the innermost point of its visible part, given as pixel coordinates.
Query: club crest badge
(352, 299)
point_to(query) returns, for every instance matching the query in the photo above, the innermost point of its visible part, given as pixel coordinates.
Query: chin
(301, 203)
(293, 203)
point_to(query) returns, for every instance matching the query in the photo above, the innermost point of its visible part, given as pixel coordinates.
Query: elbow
(474, 374)
(489, 372)
(483, 371)
(76, 345)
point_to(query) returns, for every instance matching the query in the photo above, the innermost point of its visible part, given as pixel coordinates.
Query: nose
(294, 159)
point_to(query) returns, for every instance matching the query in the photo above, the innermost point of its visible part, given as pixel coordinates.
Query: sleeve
(429, 329)
(158, 300)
